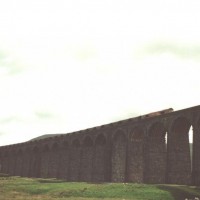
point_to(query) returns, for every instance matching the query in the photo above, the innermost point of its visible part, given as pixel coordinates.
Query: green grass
(53, 189)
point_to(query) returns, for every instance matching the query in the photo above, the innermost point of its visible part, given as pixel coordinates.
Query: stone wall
(133, 150)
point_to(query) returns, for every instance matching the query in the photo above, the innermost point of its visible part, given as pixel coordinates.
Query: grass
(53, 189)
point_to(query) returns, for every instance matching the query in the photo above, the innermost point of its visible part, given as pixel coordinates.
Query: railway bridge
(152, 148)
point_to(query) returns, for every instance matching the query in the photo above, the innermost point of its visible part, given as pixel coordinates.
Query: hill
(44, 137)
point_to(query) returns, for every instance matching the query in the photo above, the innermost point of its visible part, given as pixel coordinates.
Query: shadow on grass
(4, 175)
(52, 180)
(181, 192)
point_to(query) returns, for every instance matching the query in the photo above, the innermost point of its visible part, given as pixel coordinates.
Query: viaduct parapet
(152, 148)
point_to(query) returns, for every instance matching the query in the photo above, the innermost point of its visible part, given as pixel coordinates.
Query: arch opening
(55, 146)
(65, 144)
(45, 156)
(156, 160)
(63, 160)
(19, 162)
(179, 153)
(87, 142)
(76, 143)
(54, 161)
(100, 164)
(87, 159)
(75, 157)
(135, 161)
(191, 138)
(100, 140)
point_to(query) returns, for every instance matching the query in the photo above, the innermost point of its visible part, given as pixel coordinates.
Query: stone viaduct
(152, 148)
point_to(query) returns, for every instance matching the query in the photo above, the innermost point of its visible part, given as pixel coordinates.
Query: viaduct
(152, 148)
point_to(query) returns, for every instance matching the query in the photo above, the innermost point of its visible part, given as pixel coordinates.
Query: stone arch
(36, 162)
(137, 134)
(87, 159)
(64, 160)
(45, 158)
(87, 142)
(46, 148)
(55, 146)
(19, 162)
(76, 143)
(74, 160)
(135, 168)
(26, 161)
(179, 163)
(12, 161)
(118, 161)
(100, 167)
(54, 160)
(100, 140)
(65, 144)
(156, 154)
(5, 161)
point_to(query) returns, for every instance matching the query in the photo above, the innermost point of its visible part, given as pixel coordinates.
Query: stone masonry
(152, 148)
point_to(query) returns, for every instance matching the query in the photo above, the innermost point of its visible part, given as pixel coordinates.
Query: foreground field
(52, 189)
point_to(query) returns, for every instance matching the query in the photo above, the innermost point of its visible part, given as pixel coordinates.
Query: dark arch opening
(157, 130)
(156, 160)
(137, 134)
(179, 157)
(36, 162)
(100, 140)
(46, 148)
(65, 144)
(18, 163)
(87, 159)
(135, 161)
(4, 166)
(75, 163)
(19, 152)
(119, 135)
(76, 143)
(87, 142)
(53, 162)
(45, 157)
(55, 146)
(35, 149)
(180, 126)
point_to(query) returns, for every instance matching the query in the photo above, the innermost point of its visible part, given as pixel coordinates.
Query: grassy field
(53, 189)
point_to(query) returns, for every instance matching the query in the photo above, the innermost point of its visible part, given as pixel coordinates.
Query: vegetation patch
(54, 189)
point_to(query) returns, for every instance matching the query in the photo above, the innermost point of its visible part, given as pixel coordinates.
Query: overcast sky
(75, 64)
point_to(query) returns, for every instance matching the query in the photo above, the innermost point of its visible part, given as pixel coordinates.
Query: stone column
(196, 155)
(118, 159)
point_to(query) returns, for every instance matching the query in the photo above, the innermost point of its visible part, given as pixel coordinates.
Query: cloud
(8, 120)
(2, 133)
(9, 64)
(185, 51)
(44, 115)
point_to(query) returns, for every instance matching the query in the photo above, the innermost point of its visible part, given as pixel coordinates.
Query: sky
(71, 65)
